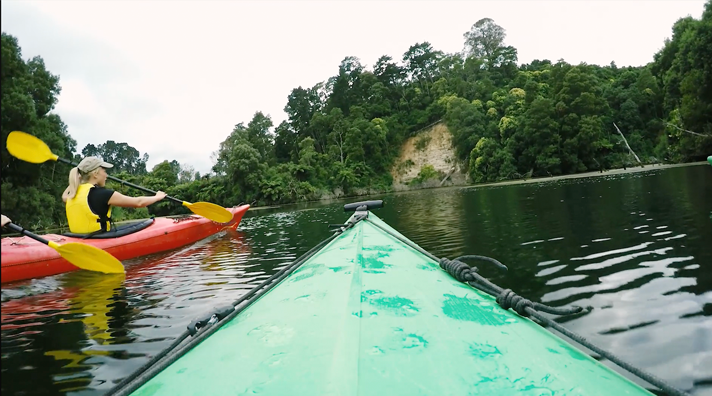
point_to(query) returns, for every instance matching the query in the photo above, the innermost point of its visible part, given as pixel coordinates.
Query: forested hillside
(343, 135)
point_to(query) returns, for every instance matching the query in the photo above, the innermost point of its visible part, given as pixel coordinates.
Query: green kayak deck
(370, 315)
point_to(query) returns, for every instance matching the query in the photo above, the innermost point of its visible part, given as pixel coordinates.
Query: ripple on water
(570, 242)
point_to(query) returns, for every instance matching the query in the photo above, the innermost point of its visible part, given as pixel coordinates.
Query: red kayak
(25, 258)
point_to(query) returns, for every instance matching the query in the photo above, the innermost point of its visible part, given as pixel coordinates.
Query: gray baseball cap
(88, 164)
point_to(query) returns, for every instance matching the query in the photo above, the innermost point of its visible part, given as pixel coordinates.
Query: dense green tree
(31, 192)
(484, 40)
(342, 135)
(123, 156)
(684, 65)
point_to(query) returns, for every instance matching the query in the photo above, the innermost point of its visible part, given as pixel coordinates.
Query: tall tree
(484, 39)
(124, 157)
(30, 192)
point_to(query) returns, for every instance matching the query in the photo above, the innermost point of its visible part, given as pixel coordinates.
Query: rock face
(432, 146)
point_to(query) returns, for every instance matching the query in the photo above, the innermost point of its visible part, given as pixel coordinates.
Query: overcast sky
(173, 78)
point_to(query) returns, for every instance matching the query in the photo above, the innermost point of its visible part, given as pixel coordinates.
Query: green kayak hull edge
(370, 315)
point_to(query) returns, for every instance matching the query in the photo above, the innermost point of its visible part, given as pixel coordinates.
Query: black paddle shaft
(21, 230)
(124, 182)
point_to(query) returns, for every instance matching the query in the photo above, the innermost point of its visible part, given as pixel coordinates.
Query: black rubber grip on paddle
(368, 205)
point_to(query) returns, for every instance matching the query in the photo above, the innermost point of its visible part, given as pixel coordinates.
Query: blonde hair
(76, 177)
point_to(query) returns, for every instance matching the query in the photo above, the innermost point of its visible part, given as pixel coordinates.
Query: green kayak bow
(368, 312)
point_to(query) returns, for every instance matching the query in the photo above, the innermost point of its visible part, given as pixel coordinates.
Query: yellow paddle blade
(88, 257)
(210, 211)
(29, 148)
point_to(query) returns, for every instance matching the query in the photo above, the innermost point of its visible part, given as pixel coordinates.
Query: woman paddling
(88, 202)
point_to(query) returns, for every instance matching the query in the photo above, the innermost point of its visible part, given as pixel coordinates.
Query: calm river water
(636, 247)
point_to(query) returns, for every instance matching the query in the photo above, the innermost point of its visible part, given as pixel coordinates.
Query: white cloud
(173, 78)
(79, 100)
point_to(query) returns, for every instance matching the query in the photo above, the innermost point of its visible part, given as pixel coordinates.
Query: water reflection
(633, 247)
(428, 214)
(91, 329)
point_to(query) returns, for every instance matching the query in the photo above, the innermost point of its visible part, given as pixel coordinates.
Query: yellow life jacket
(80, 217)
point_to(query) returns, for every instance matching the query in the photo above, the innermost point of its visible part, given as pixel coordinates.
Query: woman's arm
(65, 194)
(118, 199)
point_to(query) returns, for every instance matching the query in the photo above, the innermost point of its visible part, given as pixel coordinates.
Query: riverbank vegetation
(508, 120)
